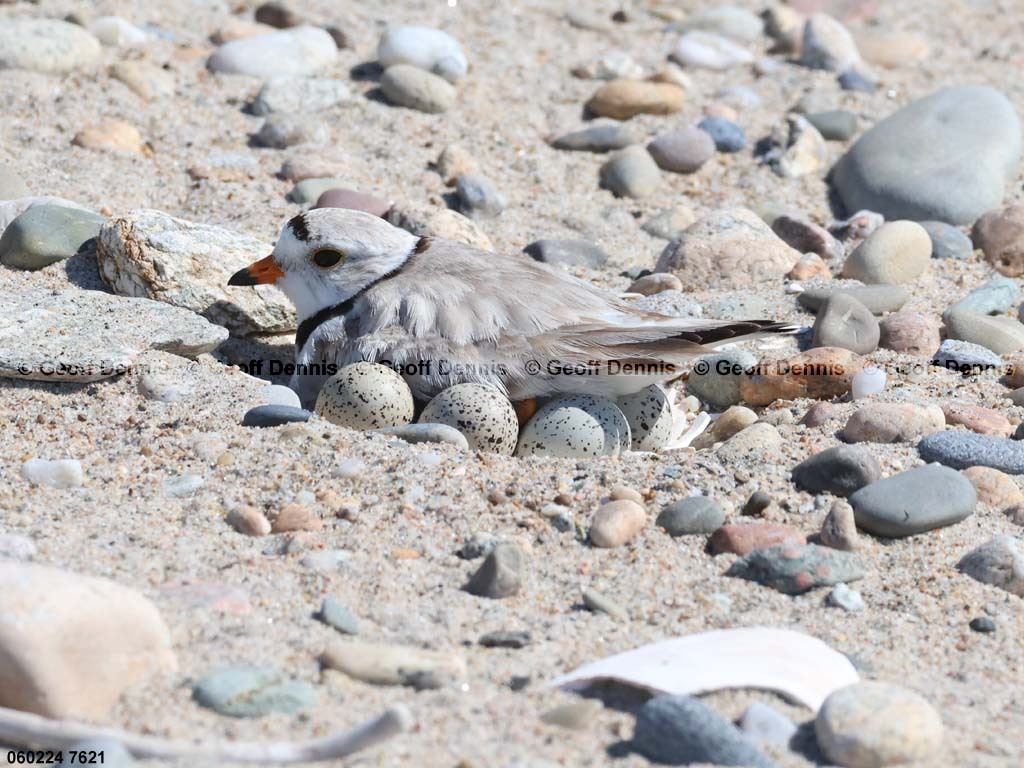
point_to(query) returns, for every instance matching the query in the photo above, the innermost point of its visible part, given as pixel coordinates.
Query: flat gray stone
(573, 253)
(151, 254)
(840, 470)
(965, 357)
(948, 242)
(960, 449)
(630, 172)
(501, 573)
(946, 157)
(87, 336)
(274, 415)
(914, 501)
(599, 137)
(843, 321)
(253, 692)
(1002, 334)
(426, 433)
(996, 296)
(46, 234)
(835, 124)
(696, 514)
(334, 614)
(879, 299)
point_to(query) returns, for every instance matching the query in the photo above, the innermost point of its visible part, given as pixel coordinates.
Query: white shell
(576, 427)
(649, 413)
(481, 413)
(423, 47)
(866, 382)
(365, 396)
(800, 667)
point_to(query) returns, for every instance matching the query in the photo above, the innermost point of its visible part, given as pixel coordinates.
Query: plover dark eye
(325, 258)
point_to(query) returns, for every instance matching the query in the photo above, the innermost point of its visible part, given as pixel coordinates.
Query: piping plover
(442, 313)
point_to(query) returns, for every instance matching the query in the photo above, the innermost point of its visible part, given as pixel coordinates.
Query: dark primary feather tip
(300, 228)
(421, 245)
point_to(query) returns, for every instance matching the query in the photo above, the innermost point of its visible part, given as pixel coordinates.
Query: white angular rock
(70, 645)
(58, 473)
(151, 254)
(425, 48)
(296, 51)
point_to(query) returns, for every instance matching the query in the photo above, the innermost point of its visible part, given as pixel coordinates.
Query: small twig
(28, 730)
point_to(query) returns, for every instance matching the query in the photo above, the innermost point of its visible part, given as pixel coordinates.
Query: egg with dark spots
(649, 413)
(481, 413)
(576, 427)
(365, 396)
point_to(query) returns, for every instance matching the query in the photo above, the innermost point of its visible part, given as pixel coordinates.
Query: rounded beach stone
(501, 573)
(976, 418)
(897, 252)
(630, 172)
(1002, 335)
(914, 501)
(46, 234)
(841, 470)
(827, 44)
(617, 523)
(253, 692)
(110, 135)
(998, 562)
(569, 252)
(479, 197)
(893, 423)
(715, 379)
(743, 538)
(820, 374)
(844, 322)
(705, 50)
(1000, 236)
(945, 157)
(299, 94)
(960, 449)
(426, 433)
(46, 45)
(835, 124)
(298, 51)
(878, 298)
(624, 98)
(407, 86)
(696, 514)
(871, 724)
(423, 47)
(948, 242)
(994, 488)
(839, 528)
(481, 413)
(728, 136)
(909, 332)
(365, 396)
(682, 151)
(599, 137)
(354, 200)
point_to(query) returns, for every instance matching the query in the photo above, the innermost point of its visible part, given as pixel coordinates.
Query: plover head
(326, 256)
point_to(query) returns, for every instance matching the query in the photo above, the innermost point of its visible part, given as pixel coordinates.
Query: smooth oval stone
(479, 197)
(46, 45)
(996, 296)
(274, 415)
(840, 470)
(336, 615)
(630, 172)
(854, 80)
(572, 253)
(915, 501)
(946, 157)
(46, 234)
(253, 692)
(728, 136)
(297, 51)
(844, 322)
(705, 50)
(715, 379)
(600, 137)
(959, 450)
(310, 190)
(834, 124)
(728, 20)
(353, 200)
(896, 252)
(683, 151)
(877, 298)
(1000, 334)
(407, 86)
(423, 47)
(299, 94)
(427, 433)
(696, 514)
(948, 242)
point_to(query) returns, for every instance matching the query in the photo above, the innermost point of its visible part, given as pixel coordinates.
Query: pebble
(630, 172)
(982, 624)
(909, 332)
(282, 130)
(150, 254)
(47, 611)
(960, 449)
(880, 299)
(617, 523)
(274, 416)
(995, 489)
(843, 321)
(948, 242)
(575, 716)
(998, 562)
(965, 357)
(842, 596)
(668, 223)
(415, 434)
(704, 50)
(785, 27)
(444, 222)
(334, 614)
(996, 296)
(295, 517)
(945, 157)
(649, 415)
(857, 81)
(45, 234)
(505, 638)
(47, 45)
(625, 98)
(481, 413)
(897, 252)
(728, 248)
(976, 418)
(734, 420)
(292, 94)
(310, 190)
(878, 724)
(428, 49)
(794, 570)
(756, 505)
(807, 237)
(117, 32)
(835, 124)
(914, 501)
(680, 730)
(277, 15)
(501, 573)
(693, 515)
(353, 200)
(479, 197)
(827, 44)
(802, 377)
(819, 413)
(365, 396)
(381, 664)
(839, 470)
(110, 135)
(56, 473)
(891, 48)
(253, 692)
(146, 80)
(599, 603)
(743, 538)
(682, 151)
(299, 51)
(795, 148)
(755, 443)
(763, 724)
(407, 86)
(598, 137)
(893, 423)
(651, 285)
(839, 528)
(1002, 335)
(249, 521)
(572, 253)
(728, 136)
(611, 66)
(1000, 236)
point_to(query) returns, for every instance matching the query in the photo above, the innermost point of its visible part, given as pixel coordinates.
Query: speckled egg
(649, 414)
(481, 413)
(365, 396)
(577, 427)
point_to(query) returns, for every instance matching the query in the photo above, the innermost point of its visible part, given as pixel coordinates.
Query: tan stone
(617, 523)
(839, 529)
(296, 517)
(978, 419)
(893, 423)
(822, 374)
(649, 285)
(1000, 235)
(810, 265)
(249, 520)
(623, 98)
(910, 332)
(110, 135)
(454, 161)
(995, 489)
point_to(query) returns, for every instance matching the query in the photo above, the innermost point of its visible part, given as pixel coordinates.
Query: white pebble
(185, 485)
(424, 48)
(794, 288)
(275, 394)
(348, 469)
(115, 31)
(867, 382)
(707, 51)
(61, 473)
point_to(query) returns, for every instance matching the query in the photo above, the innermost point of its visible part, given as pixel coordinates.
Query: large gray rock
(915, 501)
(46, 234)
(46, 45)
(86, 336)
(298, 51)
(946, 157)
(151, 254)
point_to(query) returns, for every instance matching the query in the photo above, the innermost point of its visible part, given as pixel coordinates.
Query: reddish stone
(356, 201)
(744, 539)
(984, 421)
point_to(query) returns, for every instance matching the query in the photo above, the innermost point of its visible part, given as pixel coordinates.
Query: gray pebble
(994, 297)
(835, 124)
(1002, 335)
(696, 514)
(505, 638)
(840, 470)
(572, 253)
(683, 151)
(478, 197)
(299, 94)
(630, 172)
(915, 501)
(728, 136)
(599, 137)
(715, 379)
(334, 614)
(852, 80)
(274, 416)
(795, 569)
(965, 357)
(960, 449)
(46, 234)
(253, 692)
(879, 299)
(501, 573)
(948, 242)
(281, 130)
(308, 191)
(667, 224)
(983, 624)
(763, 724)
(600, 603)
(843, 321)
(407, 86)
